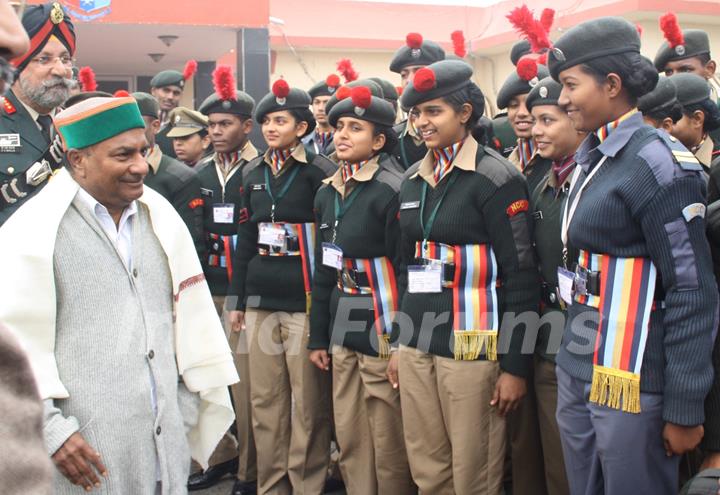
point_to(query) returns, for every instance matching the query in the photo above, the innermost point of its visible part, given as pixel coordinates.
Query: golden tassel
(384, 346)
(308, 302)
(470, 343)
(616, 389)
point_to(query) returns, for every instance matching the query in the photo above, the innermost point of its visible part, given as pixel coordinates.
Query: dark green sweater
(475, 211)
(369, 229)
(276, 281)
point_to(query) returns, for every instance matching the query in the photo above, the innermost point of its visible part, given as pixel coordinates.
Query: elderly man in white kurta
(108, 297)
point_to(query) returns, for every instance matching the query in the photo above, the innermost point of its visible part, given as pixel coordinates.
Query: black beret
(593, 39)
(243, 104)
(147, 104)
(518, 50)
(374, 87)
(691, 88)
(389, 91)
(42, 22)
(362, 105)
(545, 92)
(167, 78)
(663, 96)
(416, 52)
(515, 85)
(435, 81)
(326, 87)
(282, 97)
(696, 43)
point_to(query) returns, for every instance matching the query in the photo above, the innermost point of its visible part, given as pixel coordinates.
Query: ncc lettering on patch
(517, 207)
(196, 202)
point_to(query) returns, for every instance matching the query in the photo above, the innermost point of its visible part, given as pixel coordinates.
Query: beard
(50, 93)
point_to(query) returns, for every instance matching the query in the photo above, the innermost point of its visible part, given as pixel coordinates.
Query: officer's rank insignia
(517, 207)
(8, 106)
(56, 14)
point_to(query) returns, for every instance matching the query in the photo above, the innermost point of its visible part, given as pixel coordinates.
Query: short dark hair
(391, 137)
(471, 94)
(638, 74)
(673, 112)
(304, 115)
(711, 111)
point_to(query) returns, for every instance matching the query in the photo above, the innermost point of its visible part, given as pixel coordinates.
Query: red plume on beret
(424, 80)
(86, 76)
(345, 67)
(671, 30)
(343, 92)
(414, 40)
(639, 28)
(399, 90)
(281, 88)
(527, 68)
(532, 30)
(121, 93)
(547, 17)
(190, 69)
(224, 83)
(332, 81)
(361, 96)
(458, 39)
(542, 59)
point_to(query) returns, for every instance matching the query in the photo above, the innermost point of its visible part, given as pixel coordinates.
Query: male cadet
(189, 135)
(167, 87)
(320, 141)
(416, 53)
(390, 93)
(229, 113)
(687, 50)
(42, 85)
(175, 181)
(512, 95)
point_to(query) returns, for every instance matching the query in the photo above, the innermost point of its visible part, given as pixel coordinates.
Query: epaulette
(680, 153)
(8, 106)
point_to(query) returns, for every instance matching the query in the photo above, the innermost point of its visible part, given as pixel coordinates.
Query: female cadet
(357, 263)
(556, 141)
(466, 240)
(272, 278)
(635, 361)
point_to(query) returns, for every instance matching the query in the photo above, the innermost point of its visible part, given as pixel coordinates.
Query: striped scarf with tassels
(350, 169)
(443, 160)
(278, 159)
(605, 131)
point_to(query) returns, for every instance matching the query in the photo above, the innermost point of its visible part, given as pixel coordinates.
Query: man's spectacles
(45, 61)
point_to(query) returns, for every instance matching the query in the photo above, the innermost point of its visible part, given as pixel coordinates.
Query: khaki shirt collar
(465, 160)
(704, 154)
(249, 152)
(153, 159)
(365, 174)
(514, 158)
(298, 155)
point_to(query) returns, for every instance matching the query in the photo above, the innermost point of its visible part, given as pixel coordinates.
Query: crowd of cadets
(589, 200)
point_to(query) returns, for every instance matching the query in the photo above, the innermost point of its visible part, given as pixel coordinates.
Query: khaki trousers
(368, 426)
(455, 440)
(290, 405)
(546, 391)
(244, 447)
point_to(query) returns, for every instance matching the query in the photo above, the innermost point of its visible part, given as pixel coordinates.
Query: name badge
(411, 205)
(271, 235)
(10, 143)
(206, 192)
(332, 256)
(565, 284)
(258, 187)
(424, 279)
(223, 213)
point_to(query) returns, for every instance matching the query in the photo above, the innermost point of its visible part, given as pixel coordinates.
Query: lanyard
(341, 210)
(426, 228)
(276, 199)
(570, 209)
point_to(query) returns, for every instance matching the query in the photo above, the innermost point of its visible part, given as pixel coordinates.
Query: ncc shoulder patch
(196, 203)
(517, 207)
(681, 154)
(694, 210)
